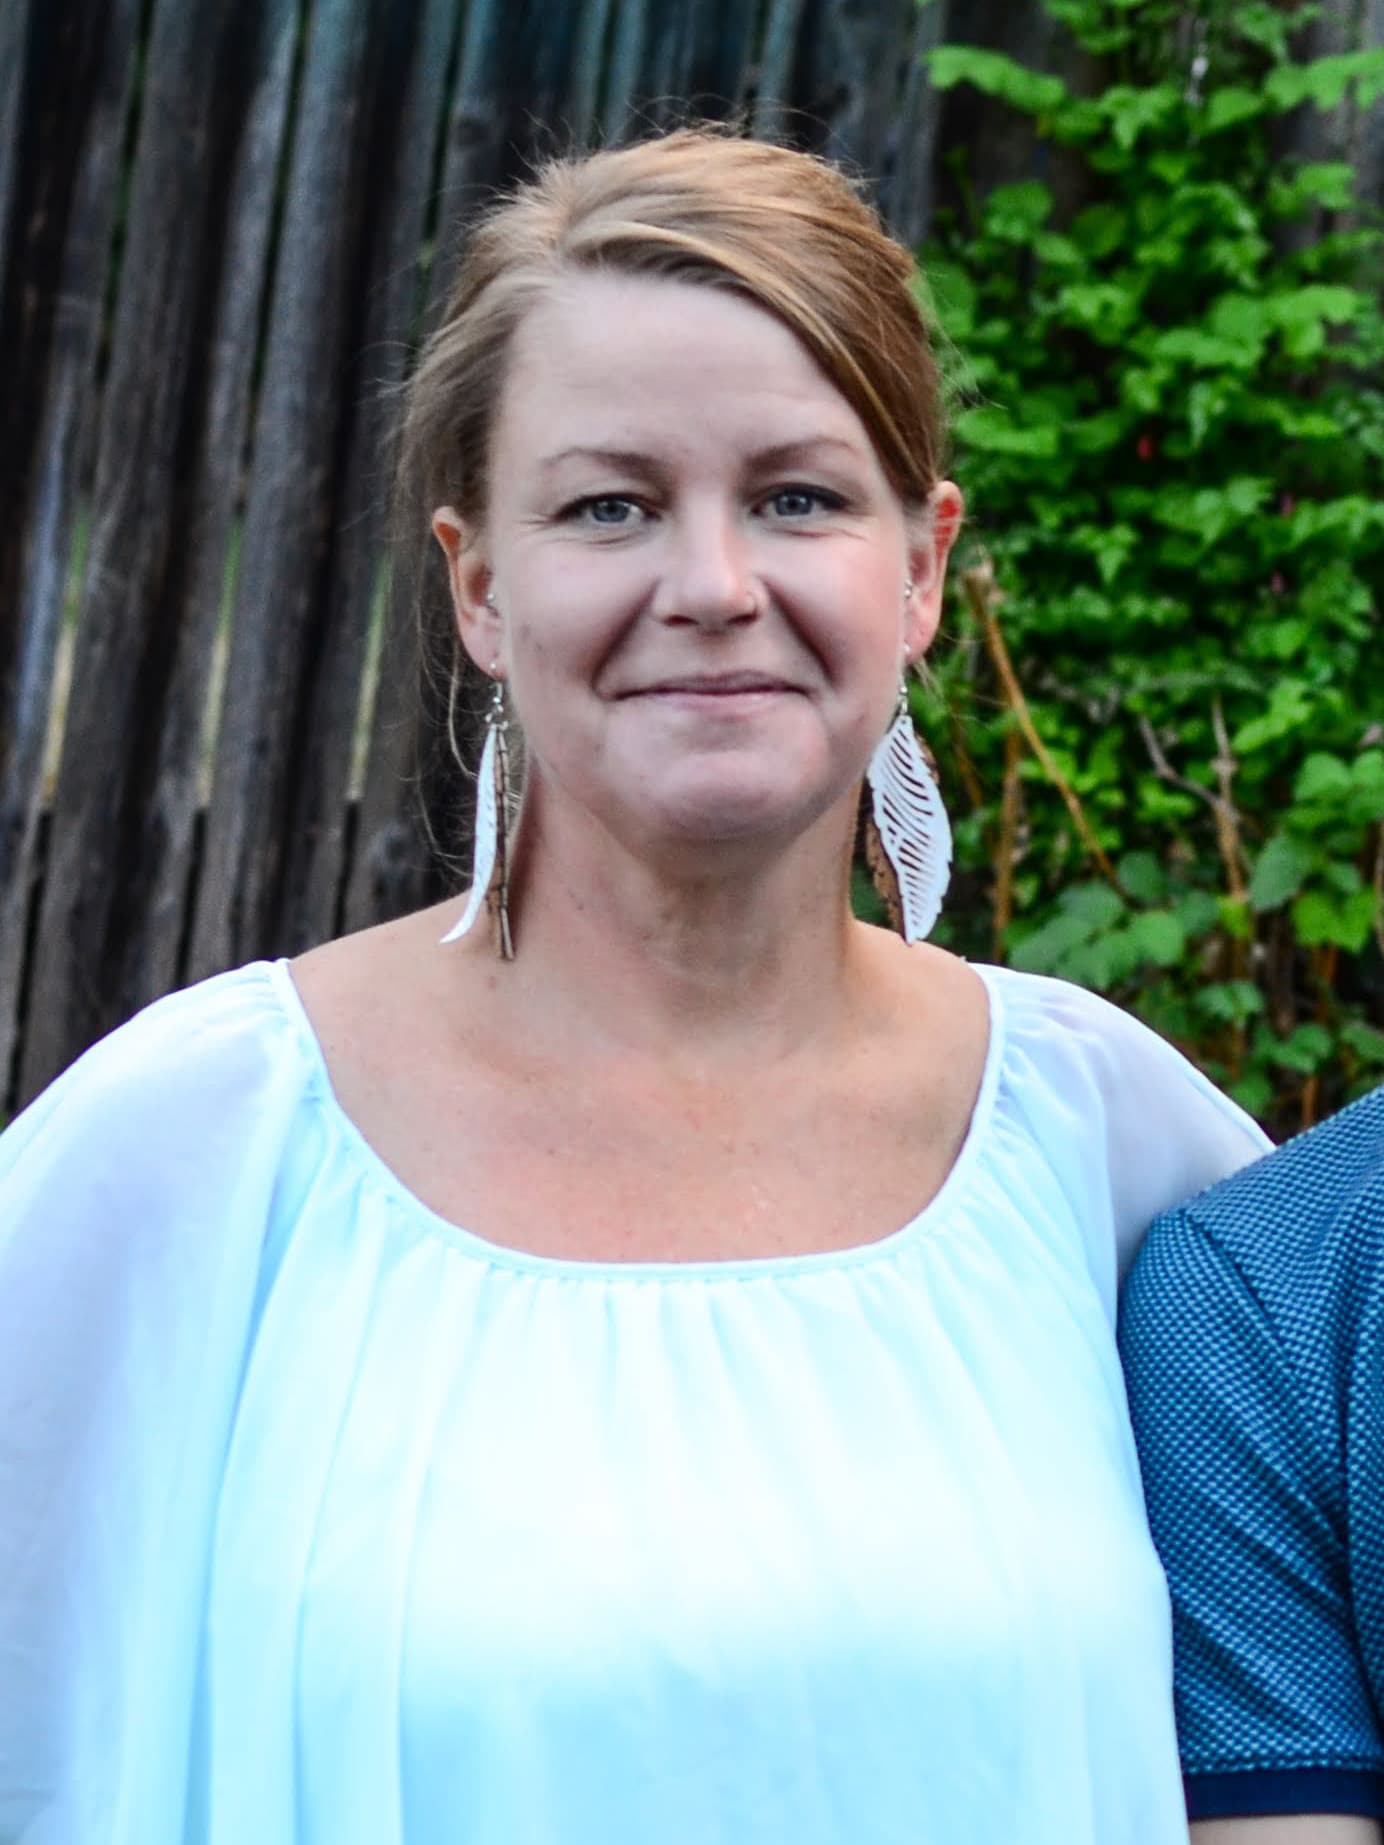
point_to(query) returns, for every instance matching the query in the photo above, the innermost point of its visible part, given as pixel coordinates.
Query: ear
(470, 579)
(932, 533)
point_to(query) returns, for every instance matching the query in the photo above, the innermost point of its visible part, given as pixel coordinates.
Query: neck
(737, 953)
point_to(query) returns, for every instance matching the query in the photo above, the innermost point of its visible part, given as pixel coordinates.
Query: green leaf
(1133, 112)
(1230, 1002)
(1324, 81)
(1330, 184)
(1235, 918)
(1290, 710)
(1279, 871)
(1100, 230)
(1364, 1041)
(994, 430)
(1095, 904)
(1224, 108)
(1029, 91)
(1321, 775)
(1016, 213)
(1159, 937)
(1198, 911)
(1304, 1050)
(1321, 920)
(1143, 876)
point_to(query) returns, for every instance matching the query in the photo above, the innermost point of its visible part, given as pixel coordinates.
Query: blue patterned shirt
(1252, 1330)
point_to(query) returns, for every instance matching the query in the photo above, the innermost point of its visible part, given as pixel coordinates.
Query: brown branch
(983, 597)
(1007, 849)
(1228, 836)
(1219, 800)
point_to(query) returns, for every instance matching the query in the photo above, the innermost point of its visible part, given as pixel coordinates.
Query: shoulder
(1303, 1225)
(1131, 1119)
(1333, 1172)
(1056, 1030)
(168, 1102)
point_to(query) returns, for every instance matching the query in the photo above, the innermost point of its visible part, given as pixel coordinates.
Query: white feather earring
(490, 850)
(908, 839)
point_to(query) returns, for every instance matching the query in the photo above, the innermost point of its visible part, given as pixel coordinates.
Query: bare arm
(1297, 1829)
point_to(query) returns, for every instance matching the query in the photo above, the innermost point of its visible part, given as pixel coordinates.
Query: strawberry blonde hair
(785, 230)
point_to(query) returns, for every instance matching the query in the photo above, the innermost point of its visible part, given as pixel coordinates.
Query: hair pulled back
(784, 229)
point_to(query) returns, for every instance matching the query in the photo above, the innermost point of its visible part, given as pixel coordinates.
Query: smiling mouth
(714, 685)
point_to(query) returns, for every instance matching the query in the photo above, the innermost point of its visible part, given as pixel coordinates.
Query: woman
(479, 1389)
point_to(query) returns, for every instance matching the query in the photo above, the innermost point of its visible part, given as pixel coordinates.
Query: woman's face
(692, 567)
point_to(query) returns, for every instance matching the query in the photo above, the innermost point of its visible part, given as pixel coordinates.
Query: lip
(711, 685)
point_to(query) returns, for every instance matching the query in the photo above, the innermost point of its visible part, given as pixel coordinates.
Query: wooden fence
(221, 225)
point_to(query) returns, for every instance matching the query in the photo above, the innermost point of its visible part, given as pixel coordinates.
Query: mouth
(713, 686)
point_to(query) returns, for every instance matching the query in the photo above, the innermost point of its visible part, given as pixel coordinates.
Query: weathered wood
(119, 857)
(588, 68)
(409, 104)
(777, 61)
(723, 65)
(392, 868)
(627, 65)
(14, 49)
(670, 57)
(79, 71)
(279, 625)
(865, 44)
(906, 182)
(477, 155)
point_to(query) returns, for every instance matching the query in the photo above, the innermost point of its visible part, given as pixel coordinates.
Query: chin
(722, 810)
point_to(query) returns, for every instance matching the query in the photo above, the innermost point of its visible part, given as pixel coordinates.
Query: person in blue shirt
(1252, 1331)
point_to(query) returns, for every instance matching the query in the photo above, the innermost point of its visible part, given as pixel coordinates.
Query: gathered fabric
(325, 1521)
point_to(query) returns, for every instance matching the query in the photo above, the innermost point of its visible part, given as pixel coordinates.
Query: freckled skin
(692, 573)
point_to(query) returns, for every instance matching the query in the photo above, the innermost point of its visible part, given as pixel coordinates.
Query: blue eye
(610, 511)
(802, 502)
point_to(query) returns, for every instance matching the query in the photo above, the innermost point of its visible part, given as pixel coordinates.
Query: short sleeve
(1246, 1461)
(133, 1198)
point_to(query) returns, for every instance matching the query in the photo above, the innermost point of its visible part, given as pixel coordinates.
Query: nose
(707, 579)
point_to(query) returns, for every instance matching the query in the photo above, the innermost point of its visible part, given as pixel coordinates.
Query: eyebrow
(636, 461)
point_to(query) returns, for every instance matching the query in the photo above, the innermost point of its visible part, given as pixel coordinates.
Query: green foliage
(1170, 423)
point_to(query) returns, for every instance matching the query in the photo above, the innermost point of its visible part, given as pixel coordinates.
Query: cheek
(860, 614)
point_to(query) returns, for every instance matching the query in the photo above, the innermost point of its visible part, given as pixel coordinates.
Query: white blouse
(324, 1521)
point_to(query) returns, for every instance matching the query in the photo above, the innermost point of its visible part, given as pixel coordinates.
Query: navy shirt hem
(1244, 1792)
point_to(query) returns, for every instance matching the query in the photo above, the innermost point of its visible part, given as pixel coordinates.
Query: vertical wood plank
(394, 867)
(278, 625)
(14, 48)
(623, 83)
(906, 185)
(723, 69)
(64, 190)
(182, 344)
(865, 43)
(409, 105)
(588, 68)
(776, 66)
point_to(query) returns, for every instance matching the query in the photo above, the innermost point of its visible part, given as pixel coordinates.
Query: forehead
(635, 361)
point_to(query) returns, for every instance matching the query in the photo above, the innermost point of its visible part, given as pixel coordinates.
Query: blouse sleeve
(1132, 1126)
(133, 1199)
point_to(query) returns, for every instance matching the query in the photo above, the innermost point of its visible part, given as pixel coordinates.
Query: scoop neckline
(729, 1268)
